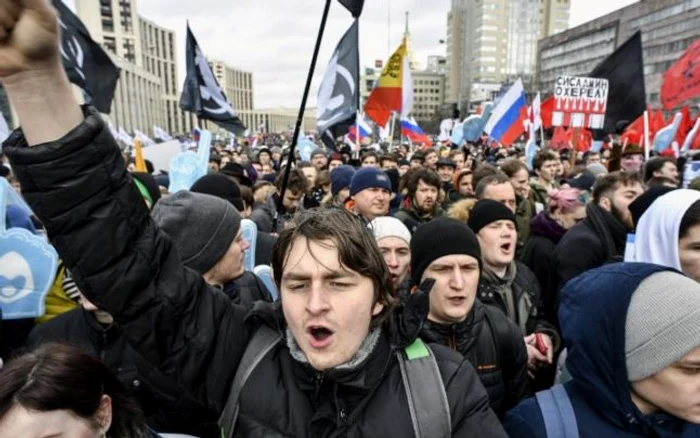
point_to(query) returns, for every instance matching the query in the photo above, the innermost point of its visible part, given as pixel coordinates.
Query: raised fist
(28, 36)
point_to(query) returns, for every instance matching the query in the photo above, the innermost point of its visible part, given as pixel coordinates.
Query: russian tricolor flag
(410, 129)
(507, 121)
(364, 128)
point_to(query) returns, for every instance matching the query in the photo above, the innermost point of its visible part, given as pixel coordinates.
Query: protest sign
(580, 102)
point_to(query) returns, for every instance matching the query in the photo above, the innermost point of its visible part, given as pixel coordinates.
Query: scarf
(366, 348)
(503, 286)
(545, 226)
(609, 229)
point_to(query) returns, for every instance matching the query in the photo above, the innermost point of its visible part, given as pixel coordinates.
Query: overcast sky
(275, 38)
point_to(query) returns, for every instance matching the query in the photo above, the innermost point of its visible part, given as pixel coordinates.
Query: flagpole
(300, 118)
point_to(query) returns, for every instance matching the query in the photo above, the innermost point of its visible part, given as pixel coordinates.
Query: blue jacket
(593, 311)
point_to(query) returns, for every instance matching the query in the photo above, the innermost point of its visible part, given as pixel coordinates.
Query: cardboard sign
(580, 102)
(27, 264)
(161, 154)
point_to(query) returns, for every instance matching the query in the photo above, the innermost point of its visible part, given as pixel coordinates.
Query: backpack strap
(558, 413)
(262, 342)
(425, 391)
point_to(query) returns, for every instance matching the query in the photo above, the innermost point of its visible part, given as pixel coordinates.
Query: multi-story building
(437, 64)
(668, 28)
(138, 99)
(490, 42)
(428, 96)
(159, 52)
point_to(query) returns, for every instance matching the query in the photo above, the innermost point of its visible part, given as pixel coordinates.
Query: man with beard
(421, 204)
(264, 215)
(601, 237)
(370, 193)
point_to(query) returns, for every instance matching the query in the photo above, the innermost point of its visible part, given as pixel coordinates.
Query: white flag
(143, 138)
(125, 137)
(407, 87)
(161, 134)
(537, 112)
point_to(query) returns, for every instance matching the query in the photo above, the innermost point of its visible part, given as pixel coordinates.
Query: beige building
(428, 96)
(159, 52)
(138, 99)
(490, 42)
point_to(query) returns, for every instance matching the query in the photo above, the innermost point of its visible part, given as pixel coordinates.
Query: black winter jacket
(192, 333)
(597, 240)
(495, 346)
(529, 315)
(264, 216)
(247, 289)
(165, 404)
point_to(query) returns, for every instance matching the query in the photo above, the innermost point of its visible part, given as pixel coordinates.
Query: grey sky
(274, 38)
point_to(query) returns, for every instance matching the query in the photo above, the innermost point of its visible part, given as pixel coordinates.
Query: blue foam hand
(472, 128)
(531, 148)
(306, 147)
(203, 152)
(264, 272)
(27, 265)
(457, 134)
(185, 170)
(665, 136)
(249, 231)
(485, 114)
(690, 137)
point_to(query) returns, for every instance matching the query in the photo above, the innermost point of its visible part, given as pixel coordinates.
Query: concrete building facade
(491, 42)
(668, 28)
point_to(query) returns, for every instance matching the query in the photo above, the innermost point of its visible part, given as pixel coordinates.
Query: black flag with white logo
(338, 97)
(86, 63)
(202, 94)
(354, 6)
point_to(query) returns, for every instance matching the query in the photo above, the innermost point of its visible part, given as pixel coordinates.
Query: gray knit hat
(663, 323)
(201, 226)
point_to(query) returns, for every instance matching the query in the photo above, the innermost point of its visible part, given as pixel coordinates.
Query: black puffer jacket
(166, 405)
(495, 346)
(192, 333)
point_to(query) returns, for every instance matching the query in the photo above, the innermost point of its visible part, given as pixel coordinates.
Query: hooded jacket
(192, 333)
(657, 234)
(494, 345)
(593, 313)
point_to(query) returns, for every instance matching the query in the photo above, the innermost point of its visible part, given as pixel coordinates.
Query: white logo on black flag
(85, 62)
(339, 93)
(202, 94)
(354, 6)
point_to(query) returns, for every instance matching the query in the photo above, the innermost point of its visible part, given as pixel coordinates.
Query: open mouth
(457, 301)
(506, 247)
(319, 336)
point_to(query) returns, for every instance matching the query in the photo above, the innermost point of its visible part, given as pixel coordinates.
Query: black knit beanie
(221, 186)
(438, 238)
(488, 211)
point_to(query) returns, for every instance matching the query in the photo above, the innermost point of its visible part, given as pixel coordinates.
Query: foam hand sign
(665, 135)
(249, 231)
(306, 147)
(457, 135)
(264, 273)
(27, 264)
(690, 137)
(187, 167)
(596, 146)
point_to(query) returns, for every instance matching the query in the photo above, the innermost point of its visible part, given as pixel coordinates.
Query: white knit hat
(387, 226)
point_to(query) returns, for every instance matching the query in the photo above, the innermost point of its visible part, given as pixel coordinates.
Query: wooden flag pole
(302, 108)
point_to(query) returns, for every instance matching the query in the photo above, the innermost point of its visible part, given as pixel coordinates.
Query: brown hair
(457, 180)
(323, 178)
(512, 166)
(541, 157)
(297, 181)
(482, 171)
(61, 377)
(247, 196)
(428, 176)
(610, 182)
(357, 250)
(496, 179)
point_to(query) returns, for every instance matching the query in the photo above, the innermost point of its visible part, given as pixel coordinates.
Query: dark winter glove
(412, 313)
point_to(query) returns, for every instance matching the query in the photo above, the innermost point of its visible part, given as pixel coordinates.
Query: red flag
(656, 122)
(585, 140)
(682, 81)
(561, 139)
(685, 126)
(546, 110)
(635, 131)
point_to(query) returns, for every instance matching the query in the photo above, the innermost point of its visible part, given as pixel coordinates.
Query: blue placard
(187, 167)
(264, 272)
(27, 264)
(249, 231)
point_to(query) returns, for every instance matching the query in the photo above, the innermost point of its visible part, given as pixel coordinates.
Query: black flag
(354, 6)
(86, 63)
(202, 94)
(338, 96)
(624, 70)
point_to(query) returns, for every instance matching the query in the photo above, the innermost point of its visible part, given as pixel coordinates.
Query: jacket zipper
(319, 381)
